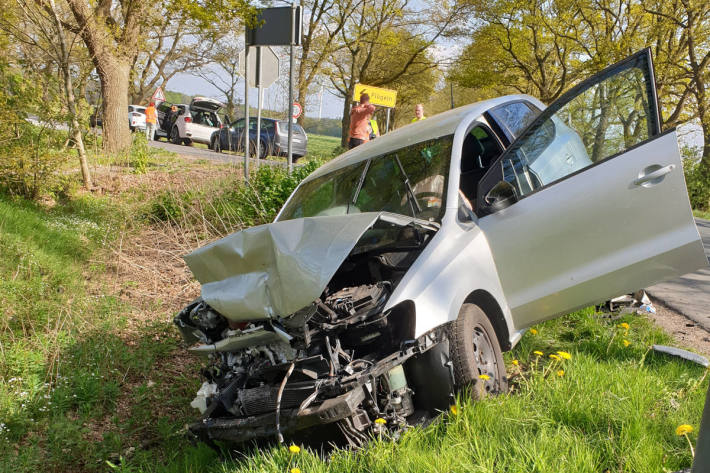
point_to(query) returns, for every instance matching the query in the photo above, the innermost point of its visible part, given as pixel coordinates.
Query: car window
(411, 181)
(514, 117)
(599, 122)
(267, 125)
(480, 149)
(327, 195)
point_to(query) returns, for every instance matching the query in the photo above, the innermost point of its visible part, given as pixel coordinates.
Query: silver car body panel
(605, 237)
(608, 231)
(277, 268)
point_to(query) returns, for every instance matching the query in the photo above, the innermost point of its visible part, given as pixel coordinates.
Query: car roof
(436, 126)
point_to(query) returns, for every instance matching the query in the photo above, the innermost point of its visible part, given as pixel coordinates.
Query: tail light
(188, 120)
(221, 125)
(278, 130)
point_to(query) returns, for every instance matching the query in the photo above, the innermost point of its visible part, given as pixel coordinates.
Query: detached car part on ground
(397, 273)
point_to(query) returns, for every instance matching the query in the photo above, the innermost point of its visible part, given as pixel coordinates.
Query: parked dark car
(273, 138)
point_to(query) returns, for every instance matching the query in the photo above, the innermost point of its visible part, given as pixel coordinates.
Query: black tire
(263, 153)
(474, 350)
(217, 146)
(175, 136)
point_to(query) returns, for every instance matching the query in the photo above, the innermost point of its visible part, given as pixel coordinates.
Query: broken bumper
(244, 429)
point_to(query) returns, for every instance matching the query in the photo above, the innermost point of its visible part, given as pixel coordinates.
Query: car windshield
(411, 181)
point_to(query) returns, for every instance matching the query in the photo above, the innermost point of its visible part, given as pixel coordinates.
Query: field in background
(94, 377)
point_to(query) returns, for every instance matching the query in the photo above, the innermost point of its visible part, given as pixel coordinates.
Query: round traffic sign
(297, 110)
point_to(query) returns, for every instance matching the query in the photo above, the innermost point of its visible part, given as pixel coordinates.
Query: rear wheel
(217, 147)
(475, 353)
(175, 136)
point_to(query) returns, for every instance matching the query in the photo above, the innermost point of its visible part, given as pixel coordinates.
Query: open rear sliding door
(590, 201)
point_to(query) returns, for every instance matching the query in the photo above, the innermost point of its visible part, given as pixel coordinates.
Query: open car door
(590, 201)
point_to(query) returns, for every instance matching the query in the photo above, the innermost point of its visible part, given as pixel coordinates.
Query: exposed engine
(337, 361)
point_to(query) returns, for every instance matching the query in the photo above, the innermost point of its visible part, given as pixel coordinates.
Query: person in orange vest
(360, 122)
(418, 113)
(151, 121)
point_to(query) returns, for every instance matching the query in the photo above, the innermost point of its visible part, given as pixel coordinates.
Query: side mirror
(502, 195)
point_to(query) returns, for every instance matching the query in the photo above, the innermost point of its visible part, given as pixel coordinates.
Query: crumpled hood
(278, 268)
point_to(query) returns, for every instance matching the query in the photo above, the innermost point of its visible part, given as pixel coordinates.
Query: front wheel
(475, 353)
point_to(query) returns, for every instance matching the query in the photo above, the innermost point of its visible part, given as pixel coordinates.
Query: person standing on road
(418, 113)
(360, 122)
(151, 121)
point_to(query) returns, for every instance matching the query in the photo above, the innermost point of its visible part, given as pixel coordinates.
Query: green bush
(230, 204)
(697, 178)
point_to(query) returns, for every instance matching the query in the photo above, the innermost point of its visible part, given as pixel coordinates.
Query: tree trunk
(345, 133)
(114, 74)
(71, 100)
(301, 97)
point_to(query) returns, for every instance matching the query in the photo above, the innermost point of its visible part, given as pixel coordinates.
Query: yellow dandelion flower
(538, 353)
(627, 343)
(484, 377)
(683, 429)
(555, 357)
(624, 325)
(560, 373)
(295, 470)
(515, 362)
(533, 331)
(565, 355)
(294, 449)
(454, 410)
(380, 421)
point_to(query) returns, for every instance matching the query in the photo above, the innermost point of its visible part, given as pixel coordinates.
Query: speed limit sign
(297, 110)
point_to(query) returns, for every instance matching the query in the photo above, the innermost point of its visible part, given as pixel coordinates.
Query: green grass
(323, 147)
(702, 214)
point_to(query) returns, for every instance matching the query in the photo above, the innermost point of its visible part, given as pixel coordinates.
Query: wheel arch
(489, 305)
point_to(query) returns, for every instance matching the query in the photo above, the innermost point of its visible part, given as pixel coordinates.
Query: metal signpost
(263, 72)
(280, 26)
(246, 110)
(378, 96)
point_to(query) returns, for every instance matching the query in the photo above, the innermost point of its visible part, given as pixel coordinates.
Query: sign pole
(387, 128)
(257, 145)
(246, 109)
(290, 89)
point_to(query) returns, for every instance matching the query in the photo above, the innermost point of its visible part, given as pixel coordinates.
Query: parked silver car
(397, 273)
(189, 123)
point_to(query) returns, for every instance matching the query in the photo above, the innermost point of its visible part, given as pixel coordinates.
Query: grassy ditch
(93, 376)
(612, 406)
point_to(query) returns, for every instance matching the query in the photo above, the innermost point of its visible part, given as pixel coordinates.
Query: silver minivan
(397, 273)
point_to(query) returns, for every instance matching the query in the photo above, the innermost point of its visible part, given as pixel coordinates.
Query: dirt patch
(688, 334)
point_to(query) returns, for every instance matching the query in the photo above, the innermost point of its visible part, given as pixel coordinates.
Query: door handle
(654, 175)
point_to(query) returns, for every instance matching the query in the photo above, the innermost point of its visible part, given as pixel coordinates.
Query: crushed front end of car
(294, 326)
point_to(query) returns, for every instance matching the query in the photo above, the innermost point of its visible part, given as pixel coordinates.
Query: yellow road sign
(378, 96)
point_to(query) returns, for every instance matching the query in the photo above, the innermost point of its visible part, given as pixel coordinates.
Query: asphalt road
(689, 294)
(208, 154)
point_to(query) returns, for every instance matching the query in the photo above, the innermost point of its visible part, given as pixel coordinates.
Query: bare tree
(43, 32)
(224, 75)
(174, 43)
(384, 41)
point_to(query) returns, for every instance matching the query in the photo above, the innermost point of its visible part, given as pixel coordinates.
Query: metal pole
(701, 463)
(246, 110)
(257, 145)
(452, 95)
(387, 127)
(320, 103)
(290, 89)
